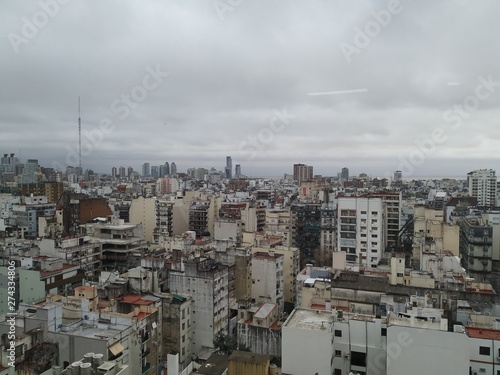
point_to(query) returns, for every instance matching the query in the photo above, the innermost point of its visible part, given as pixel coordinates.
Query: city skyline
(377, 87)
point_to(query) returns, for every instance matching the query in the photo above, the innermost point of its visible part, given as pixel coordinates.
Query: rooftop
(309, 319)
(135, 300)
(264, 310)
(248, 357)
(216, 365)
(483, 333)
(271, 255)
(65, 267)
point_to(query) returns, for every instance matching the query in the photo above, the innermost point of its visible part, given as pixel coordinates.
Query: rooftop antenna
(79, 137)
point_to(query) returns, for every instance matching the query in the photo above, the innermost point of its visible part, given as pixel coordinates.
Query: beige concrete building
(432, 234)
(142, 211)
(248, 363)
(278, 223)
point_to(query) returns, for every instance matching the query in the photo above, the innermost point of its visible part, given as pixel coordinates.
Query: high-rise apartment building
(52, 190)
(398, 176)
(306, 230)
(344, 174)
(483, 186)
(121, 172)
(146, 170)
(476, 239)
(362, 231)
(229, 167)
(393, 203)
(302, 172)
(154, 171)
(208, 283)
(30, 171)
(237, 171)
(173, 169)
(8, 167)
(267, 278)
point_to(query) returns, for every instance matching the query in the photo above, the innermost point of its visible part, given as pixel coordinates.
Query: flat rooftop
(265, 310)
(309, 319)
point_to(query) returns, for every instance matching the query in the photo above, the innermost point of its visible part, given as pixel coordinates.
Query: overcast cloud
(232, 67)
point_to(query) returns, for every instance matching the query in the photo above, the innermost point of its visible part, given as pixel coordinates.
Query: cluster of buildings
(215, 273)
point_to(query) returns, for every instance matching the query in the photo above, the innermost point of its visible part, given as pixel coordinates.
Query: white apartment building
(484, 347)
(267, 278)
(291, 268)
(482, 185)
(338, 343)
(362, 229)
(208, 283)
(307, 343)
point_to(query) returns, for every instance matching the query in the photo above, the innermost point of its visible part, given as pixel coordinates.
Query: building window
(383, 331)
(337, 371)
(358, 359)
(338, 333)
(484, 350)
(338, 353)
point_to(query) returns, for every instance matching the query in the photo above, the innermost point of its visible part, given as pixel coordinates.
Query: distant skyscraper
(398, 176)
(483, 186)
(129, 171)
(344, 175)
(29, 171)
(114, 172)
(166, 169)
(8, 166)
(302, 172)
(146, 172)
(229, 167)
(154, 171)
(121, 172)
(237, 171)
(173, 169)
(70, 170)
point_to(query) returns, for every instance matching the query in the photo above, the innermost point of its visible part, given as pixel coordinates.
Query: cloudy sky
(372, 85)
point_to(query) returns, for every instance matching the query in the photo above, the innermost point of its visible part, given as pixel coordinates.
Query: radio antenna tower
(79, 137)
